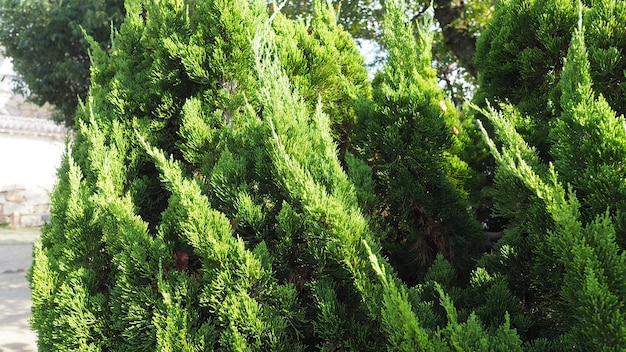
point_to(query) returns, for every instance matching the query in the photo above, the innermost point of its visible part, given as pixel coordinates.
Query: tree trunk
(456, 35)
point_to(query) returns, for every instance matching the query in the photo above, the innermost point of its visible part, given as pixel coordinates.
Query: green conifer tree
(589, 142)
(204, 202)
(575, 271)
(179, 74)
(406, 135)
(560, 255)
(520, 59)
(323, 199)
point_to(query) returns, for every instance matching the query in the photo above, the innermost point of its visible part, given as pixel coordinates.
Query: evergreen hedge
(236, 182)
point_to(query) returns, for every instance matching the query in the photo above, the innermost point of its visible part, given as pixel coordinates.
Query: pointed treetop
(576, 77)
(405, 52)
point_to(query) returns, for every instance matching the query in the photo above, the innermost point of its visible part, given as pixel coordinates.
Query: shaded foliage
(46, 41)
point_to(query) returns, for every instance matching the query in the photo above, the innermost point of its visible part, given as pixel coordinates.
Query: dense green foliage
(520, 58)
(46, 41)
(407, 136)
(457, 25)
(236, 182)
(563, 250)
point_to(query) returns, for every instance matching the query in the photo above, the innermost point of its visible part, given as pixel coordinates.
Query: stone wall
(22, 206)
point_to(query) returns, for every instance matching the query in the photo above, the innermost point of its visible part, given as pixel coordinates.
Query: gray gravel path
(15, 303)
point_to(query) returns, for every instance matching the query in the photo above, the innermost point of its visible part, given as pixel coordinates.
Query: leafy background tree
(46, 42)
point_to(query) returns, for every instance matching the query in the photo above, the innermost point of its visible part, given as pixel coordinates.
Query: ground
(15, 260)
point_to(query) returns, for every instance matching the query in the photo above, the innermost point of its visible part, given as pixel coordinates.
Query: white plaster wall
(27, 174)
(30, 162)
